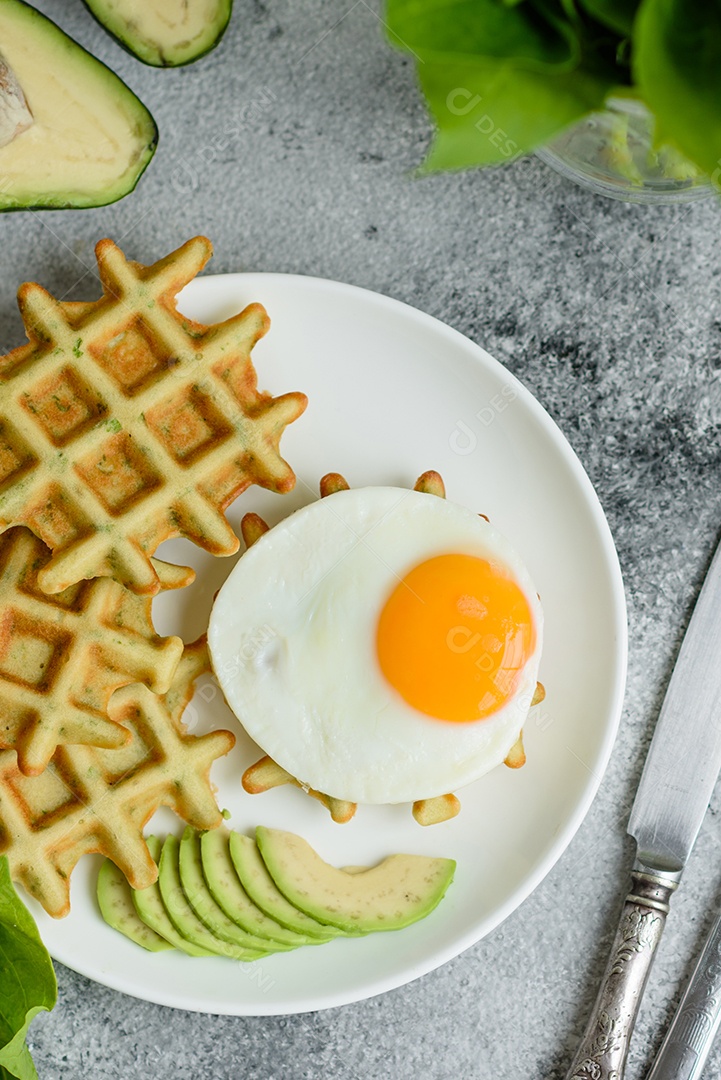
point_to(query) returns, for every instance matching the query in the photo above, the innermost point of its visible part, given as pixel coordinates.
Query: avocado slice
(90, 138)
(204, 905)
(262, 889)
(225, 887)
(164, 33)
(395, 893)
(182, 915)
(115, 899)
(149, 906)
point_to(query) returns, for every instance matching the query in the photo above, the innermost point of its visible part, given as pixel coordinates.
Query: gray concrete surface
(611, 315)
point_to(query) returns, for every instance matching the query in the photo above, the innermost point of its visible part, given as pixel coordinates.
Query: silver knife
(683, 1052)
(673, 795)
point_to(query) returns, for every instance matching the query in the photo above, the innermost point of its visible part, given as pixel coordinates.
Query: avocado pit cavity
(15, 116)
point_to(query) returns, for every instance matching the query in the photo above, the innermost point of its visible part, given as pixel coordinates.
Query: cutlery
(673, 795)
(683, 1052)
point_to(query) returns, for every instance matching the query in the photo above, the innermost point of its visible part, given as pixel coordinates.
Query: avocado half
(75, 135)
(164, 33)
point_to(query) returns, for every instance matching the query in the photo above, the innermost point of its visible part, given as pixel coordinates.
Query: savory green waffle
(124, 423)
(92, 799)
(62, 656)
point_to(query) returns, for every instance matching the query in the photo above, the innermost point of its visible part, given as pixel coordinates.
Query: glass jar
(612, 153)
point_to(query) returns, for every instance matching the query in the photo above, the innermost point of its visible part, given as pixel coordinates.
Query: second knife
(679, 775)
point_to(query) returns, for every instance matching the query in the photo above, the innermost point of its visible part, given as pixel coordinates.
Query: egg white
(292, 640)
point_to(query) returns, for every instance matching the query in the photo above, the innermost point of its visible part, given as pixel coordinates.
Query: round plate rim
(322, 1001)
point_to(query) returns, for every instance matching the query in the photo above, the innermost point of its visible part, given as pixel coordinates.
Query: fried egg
(381, 645)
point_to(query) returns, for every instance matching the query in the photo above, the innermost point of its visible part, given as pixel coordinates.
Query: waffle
(124, 423)
(267, 773)
(434, 811)
(91, 799)
(62, 656)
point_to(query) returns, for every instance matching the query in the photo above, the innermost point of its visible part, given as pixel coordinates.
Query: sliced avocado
(225, 887)
(115, 899)
(181, 914)
(149, 906)
(164, 33)
(398, 891)
(90, 138)
(204, 905)
(261, 888)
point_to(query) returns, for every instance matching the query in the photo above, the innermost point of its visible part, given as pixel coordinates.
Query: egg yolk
(454, 636)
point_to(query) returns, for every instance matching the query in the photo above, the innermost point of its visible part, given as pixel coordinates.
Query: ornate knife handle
(684, 1050)
(604, 1046)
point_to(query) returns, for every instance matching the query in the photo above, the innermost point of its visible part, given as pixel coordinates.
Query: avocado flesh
(398, 891)
(181, 914)
(262, 889)
(225, 887)
(15, 117)
(115, 899)
(164, 33)
(91, 138)
(204, 905)
(149, 906)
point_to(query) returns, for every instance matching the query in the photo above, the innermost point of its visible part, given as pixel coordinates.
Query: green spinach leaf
(503, 77)
(500, 79)
(458, 29)
(489, 112)
(27, 979)
(618, 15)
(677, 65)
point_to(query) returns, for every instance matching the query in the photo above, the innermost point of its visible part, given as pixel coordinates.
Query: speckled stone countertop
(609, 313)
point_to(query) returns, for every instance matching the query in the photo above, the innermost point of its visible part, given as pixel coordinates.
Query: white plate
(392, 393)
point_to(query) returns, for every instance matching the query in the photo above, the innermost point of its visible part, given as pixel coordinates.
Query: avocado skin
(96, 7)
(44, 23)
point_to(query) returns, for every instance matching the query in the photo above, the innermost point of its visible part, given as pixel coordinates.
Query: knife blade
(673, 794)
